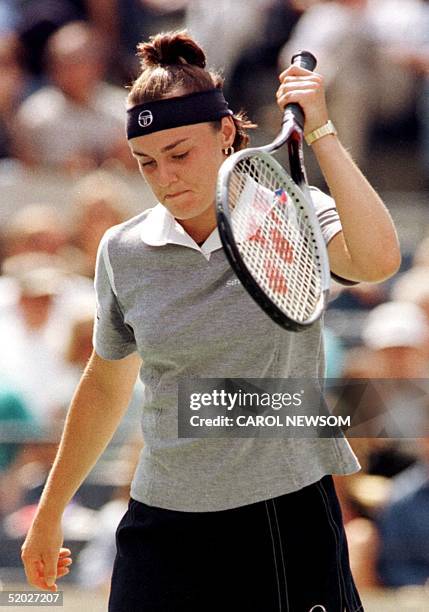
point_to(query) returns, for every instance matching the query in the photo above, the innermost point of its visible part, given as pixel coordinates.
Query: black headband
(169, 113)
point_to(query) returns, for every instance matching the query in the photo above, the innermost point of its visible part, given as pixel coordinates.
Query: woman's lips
(172, 196)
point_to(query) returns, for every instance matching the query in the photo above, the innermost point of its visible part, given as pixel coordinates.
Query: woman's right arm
(97, 407)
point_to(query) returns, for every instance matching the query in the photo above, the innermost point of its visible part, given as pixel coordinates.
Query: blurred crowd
(64, 65)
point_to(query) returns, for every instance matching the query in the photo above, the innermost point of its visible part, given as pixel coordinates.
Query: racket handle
(303, 59)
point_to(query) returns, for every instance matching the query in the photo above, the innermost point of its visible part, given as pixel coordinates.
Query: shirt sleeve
(326, 213)
(112, 337)
(330, 224)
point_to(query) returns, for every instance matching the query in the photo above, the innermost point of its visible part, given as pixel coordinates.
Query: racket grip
(303, 59)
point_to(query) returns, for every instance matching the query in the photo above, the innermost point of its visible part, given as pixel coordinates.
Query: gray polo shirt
(179, 305)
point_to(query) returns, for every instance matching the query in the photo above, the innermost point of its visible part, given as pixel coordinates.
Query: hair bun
(173, 48)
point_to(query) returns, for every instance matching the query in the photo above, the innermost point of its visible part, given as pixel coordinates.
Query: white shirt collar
(160, 228)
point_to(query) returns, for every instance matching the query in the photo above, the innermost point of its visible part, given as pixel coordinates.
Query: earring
(229, 150)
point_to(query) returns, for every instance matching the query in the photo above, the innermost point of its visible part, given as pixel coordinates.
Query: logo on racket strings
(281, 196)
(274, 240)
(145, 118)
(275, 278)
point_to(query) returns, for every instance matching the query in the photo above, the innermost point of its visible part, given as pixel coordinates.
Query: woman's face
(181, 166)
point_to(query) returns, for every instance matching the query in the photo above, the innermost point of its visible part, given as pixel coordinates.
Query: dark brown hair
(172, 63)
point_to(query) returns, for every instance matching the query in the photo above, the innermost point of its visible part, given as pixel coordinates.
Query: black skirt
(285, 554)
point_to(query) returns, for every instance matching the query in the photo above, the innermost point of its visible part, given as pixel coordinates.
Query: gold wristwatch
(328, 128)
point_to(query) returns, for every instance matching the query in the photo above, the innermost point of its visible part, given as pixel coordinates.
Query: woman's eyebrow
(168, 147)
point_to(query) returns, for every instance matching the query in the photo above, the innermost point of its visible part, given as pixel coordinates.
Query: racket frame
(291, 133)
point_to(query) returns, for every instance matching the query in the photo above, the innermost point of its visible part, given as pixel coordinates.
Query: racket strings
(298, 276)
(274, 237)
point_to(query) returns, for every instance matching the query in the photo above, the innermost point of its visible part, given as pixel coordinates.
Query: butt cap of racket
(304, 59)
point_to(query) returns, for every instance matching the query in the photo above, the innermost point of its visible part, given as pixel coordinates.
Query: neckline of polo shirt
(155, 228)
(212, 242)
(159, 225)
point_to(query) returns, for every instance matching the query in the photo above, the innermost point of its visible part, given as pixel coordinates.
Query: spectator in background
(35, 227)
(404, 526)
(100, 202)
(413, 286)
(76, 122)
(355, 36)
(257, 63)
(16, 425)
(41, 229)
(242, 41)
(421, 255)
(411, 55)
(79, 346)
(337, 33)
(38, 234)
(139, 19)
(14, 410)
(33, 331)
(363, 495)
(120, 23)
(398, 333)
(37, 20)
(334, 349)
(12, 91)
(360, 362)
(226, 29)
(8, 15)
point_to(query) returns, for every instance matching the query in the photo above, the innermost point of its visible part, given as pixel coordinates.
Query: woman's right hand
(44, 558)
(107, 387)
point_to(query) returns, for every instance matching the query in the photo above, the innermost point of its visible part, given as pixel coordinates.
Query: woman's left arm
(368, 248)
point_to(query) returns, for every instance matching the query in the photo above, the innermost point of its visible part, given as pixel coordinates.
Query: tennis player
(237, 524)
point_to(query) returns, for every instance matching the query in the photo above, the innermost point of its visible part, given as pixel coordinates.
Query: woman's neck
(199, 228)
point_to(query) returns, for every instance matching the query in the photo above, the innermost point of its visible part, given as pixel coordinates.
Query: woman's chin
(186, 209)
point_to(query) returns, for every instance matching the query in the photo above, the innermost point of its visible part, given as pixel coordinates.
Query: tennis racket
(268, 225)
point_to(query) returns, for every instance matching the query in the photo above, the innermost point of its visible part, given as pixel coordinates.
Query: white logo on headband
(145, 118)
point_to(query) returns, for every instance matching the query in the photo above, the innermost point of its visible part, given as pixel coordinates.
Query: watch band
(324, 130)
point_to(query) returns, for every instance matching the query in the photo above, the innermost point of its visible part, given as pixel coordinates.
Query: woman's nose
(166, 175)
